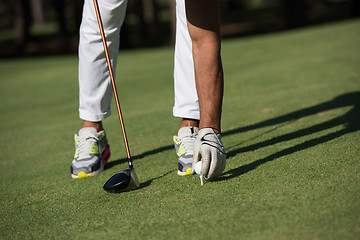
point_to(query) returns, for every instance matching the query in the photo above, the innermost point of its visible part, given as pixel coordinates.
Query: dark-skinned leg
(203, 24)
(97, 125)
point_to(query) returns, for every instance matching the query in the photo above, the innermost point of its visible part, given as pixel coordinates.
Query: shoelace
(85, 146)
(188, 142)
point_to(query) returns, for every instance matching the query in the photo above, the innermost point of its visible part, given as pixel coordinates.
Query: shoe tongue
(87, 131)
(187, 131)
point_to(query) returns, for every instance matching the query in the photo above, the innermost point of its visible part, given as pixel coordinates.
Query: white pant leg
(186, 99)
(95, 89)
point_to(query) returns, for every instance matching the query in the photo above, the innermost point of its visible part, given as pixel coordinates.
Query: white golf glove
(209, 149)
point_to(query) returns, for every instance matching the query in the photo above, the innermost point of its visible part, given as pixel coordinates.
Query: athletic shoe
(91, 153)
(184, 146)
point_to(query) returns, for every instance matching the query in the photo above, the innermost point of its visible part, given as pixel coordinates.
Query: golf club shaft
(113, 81)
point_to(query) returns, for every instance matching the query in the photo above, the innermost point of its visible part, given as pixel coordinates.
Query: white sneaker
(92, 152)
(184, 146)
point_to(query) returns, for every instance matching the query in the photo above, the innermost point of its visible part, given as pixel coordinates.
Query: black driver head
(122, 181)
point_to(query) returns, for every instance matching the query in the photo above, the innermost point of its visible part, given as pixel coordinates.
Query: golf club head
(122, 181)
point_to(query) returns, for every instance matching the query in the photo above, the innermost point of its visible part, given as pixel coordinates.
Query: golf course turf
(290, 126)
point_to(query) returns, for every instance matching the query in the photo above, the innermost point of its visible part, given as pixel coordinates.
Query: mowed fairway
(291, 128)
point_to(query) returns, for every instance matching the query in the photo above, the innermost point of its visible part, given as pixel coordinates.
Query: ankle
(187, 122)
(97, 125)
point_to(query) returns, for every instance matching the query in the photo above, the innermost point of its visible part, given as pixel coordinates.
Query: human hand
(209, 149)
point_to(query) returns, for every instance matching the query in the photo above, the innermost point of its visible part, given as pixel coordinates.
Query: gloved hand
(208, 148)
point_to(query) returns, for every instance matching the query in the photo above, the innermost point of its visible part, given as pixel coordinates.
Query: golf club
(124, 180)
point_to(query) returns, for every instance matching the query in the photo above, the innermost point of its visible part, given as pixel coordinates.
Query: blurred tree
(152, 22)
(355, 8)
(295, 12)
(37, 11)
(59, 7)
(22, 20)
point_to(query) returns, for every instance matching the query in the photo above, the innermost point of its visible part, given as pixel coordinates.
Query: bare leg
(186, 122)
(203, 24)
(97, 125)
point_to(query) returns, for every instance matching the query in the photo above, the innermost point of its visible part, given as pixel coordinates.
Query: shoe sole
(188, 172)
(104, 160)
(84, 174)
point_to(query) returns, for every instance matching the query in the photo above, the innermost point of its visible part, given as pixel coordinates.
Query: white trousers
(95, 89)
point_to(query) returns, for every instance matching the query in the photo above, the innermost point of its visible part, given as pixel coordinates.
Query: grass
(291, 122)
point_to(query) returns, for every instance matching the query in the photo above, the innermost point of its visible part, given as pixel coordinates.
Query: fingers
(209, 149)
(206, 160)
(215, 166)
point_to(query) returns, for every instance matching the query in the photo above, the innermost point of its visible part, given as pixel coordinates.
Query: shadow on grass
(148, 182)
(137, 157)
(350, 121)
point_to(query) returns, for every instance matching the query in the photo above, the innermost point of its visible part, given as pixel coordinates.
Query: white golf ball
(198, 167)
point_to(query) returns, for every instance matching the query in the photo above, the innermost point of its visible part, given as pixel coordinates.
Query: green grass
(291, 122)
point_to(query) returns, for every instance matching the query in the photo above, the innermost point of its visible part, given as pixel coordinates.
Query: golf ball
(198, 167)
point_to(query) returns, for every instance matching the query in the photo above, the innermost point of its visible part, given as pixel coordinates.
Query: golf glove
(209, 149)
